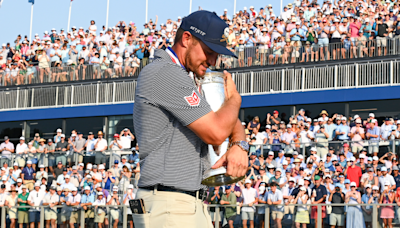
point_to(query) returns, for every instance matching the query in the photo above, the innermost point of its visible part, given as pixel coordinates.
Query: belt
(202, 194)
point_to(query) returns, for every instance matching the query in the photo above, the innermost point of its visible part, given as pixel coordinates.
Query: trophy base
(220, 180)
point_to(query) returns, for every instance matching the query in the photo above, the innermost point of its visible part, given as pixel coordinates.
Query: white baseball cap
(375, 187)
(101, 166)
(371, 115)
(375, 158)
(87, 188)
(384, 169)
(130, 186)
(248, 181)
(353, 184)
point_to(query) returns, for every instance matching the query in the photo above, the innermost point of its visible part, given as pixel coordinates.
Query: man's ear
(186, 40)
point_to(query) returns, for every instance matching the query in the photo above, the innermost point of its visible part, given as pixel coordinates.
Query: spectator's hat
(289, 5)
(124, 157)
(366, 20)
(67, 177)
(317, 177)
(383, 169)
(371, 115)
(375, 188)
(88, 176)
(97, 186)
(248, 181)
(313, 149)
(23, 186)
(115, 189)
(87, 188)
(300, 157)
(284, 162)
(301, 182)
(251, 7)
(292, 180)
(270, 166)
(116, 135)
(74, 167)
(268, 126)
(19, 180)
(101, 166)
(326, 170)
(387, 183)
(347, 181)
(29, 162)
(294, 19)
(53, 187)
(373, 121)
(116, 162)
(370, 159)
(15, 164)
(278, 170)
(210, 29)
(41, 166)
(261, 168)
(296, 160)
(345, 145)
(395, 167)
(271, 153)
(37, 184)
(375, 158)
(327, 176)
(100, 133)
(90, 133)
(361, 156)
(94, 166)
(281, 151)
(99, 193)
(130, 186)
(22, 138)
(352, 159)
(62, 135)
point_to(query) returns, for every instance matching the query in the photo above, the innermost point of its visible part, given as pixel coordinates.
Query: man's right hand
(230, 87)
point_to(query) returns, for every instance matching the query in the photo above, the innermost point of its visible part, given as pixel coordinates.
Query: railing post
(391, 72)
(33, 95)
(251, 82)
(3, 217)
(374, 215)
(356, 75)
(125, 217)
(304, 151)
(283, 80)
(65, 95)
(97, 93)
(56, 96)
(266, 218)
(335, 73)
(16, 102)
(113, 95)
(216, 213)
(303, 74)
(319, 217)
(41, 217)
(72, 95)
(82, 218)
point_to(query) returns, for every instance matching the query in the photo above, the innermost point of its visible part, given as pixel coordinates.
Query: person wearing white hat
(41, 173)
(354, 216)
(35, 199)
(11, 201)
(130, 194)
(100, 210)
(20, 151)
(73, 201)
(67, 183)
(372, 135)
(275, 196)
(87, 199)
(343, 130)
(386, 181)
(28, 175)
(302, 215)
(114, 200)
(357, 134)
(249, 198)
(51, 199)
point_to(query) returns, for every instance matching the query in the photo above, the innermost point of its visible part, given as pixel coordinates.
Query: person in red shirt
(353, 172)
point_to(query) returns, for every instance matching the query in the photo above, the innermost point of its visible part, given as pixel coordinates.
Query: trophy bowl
(212, 87)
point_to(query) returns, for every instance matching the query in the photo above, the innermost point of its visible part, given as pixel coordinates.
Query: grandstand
(318, 83)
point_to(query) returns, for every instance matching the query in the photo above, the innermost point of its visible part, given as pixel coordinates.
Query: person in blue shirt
(87, 200)
(343, 131)
(139, 49)
(297, 34)
(250, 52)
(109, 180)
(372, 135)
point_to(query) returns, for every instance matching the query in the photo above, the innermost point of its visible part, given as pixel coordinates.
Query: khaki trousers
(171, 210)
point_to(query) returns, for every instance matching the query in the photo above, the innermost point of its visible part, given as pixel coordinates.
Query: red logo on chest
(193, 100)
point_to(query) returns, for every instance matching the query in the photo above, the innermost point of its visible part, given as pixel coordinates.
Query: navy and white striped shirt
(171, 154)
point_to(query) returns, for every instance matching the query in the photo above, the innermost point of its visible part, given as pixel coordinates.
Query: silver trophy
(212, 87)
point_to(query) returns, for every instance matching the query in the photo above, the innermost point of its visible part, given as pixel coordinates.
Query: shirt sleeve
(176, 92)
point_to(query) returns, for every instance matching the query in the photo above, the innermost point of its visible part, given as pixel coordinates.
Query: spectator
(318, 196)
(372, 135)
(35, 199)
(337, 216)
(22, 200)
(214, 198)
(275, 197)
(302, 216)
(229, 198)
(354, 216)
(100, 210)
(100, 146)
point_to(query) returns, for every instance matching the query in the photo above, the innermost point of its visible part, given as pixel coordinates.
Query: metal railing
(30, 75)
(300, 51)
(123, 216)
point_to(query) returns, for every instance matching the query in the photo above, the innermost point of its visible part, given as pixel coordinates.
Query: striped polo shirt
(166, 101)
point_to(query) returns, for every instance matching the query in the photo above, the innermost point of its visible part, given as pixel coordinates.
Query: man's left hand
(236, 161)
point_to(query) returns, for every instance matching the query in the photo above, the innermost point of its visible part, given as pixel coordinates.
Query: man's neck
(179, 54)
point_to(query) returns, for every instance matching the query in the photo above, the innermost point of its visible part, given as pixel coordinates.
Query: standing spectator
(73, 201)
(275, 199)
(20, 151)
(372, 135)
(387, 212)
(214, 198)
(100, 147)
(230, 198)
(302, 215)
(126, 138)
(386, 180)
(343, 131)
(319, 195)
(382, 30)
(6, 148)
(353, 172)
(22, 212)
(337, 216)
(51, 199)
(367, 198)
(35, 199)
(87, 200)
(354, 216)
(28, 175)
(100, 210)
(114, 199)
(79, 146)
(61, 148)
(357, 135)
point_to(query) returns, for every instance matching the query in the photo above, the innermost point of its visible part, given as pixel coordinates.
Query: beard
(191, 66)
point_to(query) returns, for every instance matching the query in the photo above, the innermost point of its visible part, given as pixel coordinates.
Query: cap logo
(196, 30)
(225, 35)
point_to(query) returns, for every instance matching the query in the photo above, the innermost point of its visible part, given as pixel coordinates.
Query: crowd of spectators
(68, 175)
(343, 164)
(304, 31)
